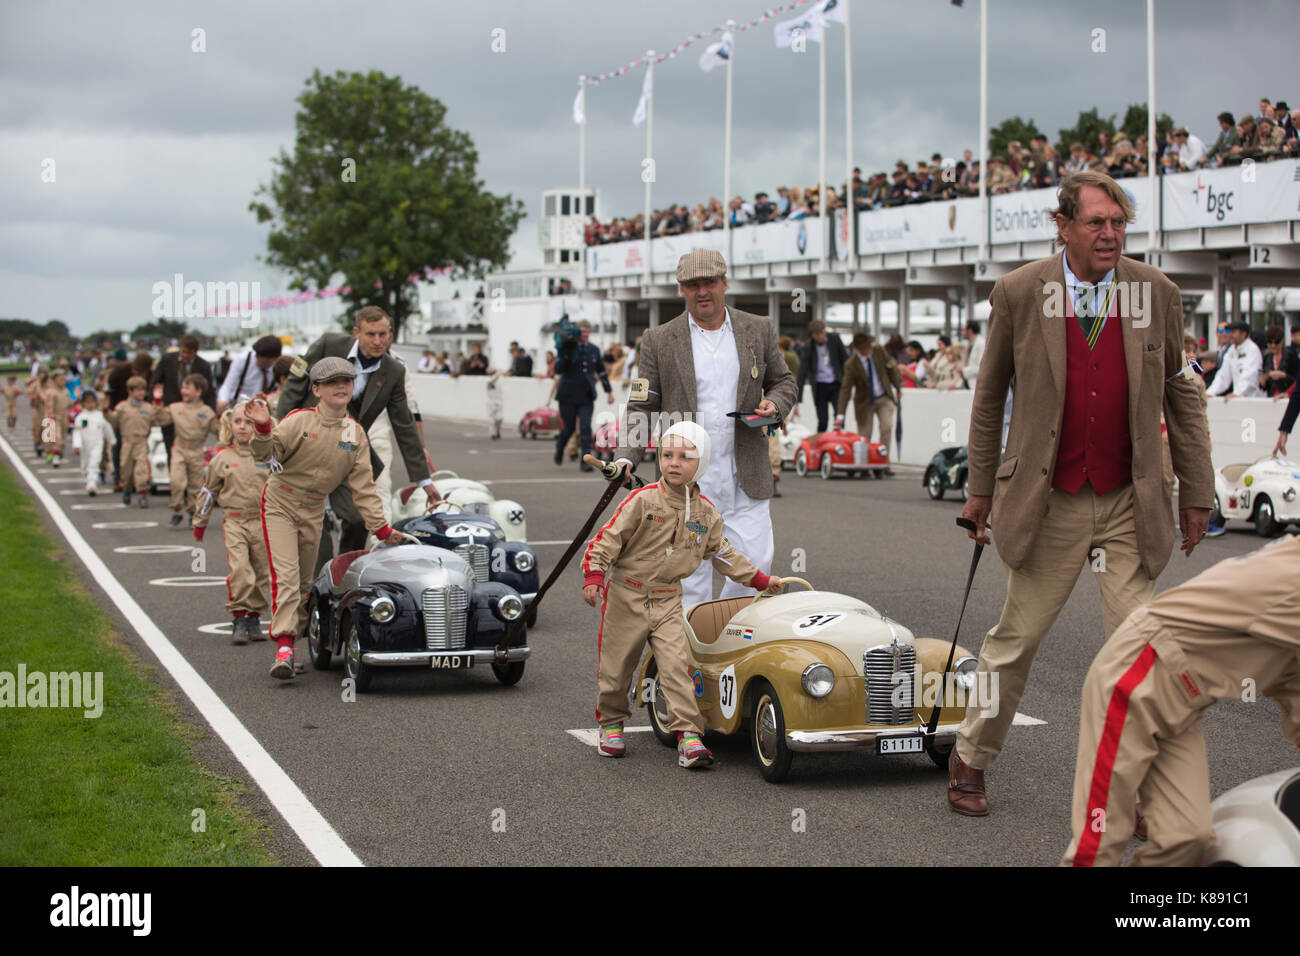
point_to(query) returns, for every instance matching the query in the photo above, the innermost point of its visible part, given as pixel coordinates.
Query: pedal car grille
(476, 556)
(444, 618)
(860, 451)
(889, 697)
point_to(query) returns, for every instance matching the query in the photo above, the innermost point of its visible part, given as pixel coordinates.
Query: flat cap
(331, 368)
(701, 264)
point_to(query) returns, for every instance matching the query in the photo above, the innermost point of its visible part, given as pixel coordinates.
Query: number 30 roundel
(727, 692)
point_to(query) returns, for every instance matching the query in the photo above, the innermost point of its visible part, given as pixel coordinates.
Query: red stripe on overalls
(269, 562)
(599, 634)
(1099, 793)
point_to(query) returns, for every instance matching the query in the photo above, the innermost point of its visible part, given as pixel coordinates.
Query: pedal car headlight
(964, 670)
(1288, 495)
(818, 680)
(382, 610)
(510, 606)
(839, 449)
(524, 561)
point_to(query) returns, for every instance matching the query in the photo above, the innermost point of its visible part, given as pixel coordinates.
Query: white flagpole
(1152, 179)
(649, 154)
(850, 204)
(726, 154)
(984, 132)
(821, 148)
(582, 141)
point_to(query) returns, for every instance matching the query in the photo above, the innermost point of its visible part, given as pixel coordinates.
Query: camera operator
(577, 366)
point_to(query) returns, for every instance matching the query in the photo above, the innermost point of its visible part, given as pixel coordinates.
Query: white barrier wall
(1241, 429)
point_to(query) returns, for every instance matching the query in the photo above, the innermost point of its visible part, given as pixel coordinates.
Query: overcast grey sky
(158, 149)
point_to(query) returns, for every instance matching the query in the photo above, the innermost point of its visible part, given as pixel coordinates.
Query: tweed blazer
(667, 362)
(1027, 340)
(855, 380)
(385, 390)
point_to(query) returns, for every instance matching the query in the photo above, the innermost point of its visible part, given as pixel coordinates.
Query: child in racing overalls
(134, 418)
(311, 452)
(194, 422)
(660, 534)
(235, 482)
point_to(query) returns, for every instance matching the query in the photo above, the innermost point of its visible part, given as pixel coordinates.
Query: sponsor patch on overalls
(347, 446)
(698, 680)
(695, 532)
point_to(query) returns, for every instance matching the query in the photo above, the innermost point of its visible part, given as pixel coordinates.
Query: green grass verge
(120, 789)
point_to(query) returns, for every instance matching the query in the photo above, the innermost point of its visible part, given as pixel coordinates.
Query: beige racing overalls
(1232, 632)
(309, 456)
(235, 481)
(133, 420)
(193, 422)
(639, 558)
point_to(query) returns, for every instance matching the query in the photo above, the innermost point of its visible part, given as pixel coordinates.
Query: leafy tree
(1087, 131)
(378, 190)
(1011, 130)
(1135, 123)
(160, 329)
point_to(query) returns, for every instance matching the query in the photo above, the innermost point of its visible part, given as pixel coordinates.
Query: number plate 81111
(913, 744)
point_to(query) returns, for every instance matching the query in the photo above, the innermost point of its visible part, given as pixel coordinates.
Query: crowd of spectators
(1036, 165)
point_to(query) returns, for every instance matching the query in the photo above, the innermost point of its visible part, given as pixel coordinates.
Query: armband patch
(299, 367)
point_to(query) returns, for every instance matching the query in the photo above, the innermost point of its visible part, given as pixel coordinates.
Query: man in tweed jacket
(687, 366)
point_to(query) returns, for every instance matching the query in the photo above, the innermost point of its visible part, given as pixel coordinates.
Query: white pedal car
(1263, 491)
(790, 440)
(160, 476)
(1258, 823)
(462, 494)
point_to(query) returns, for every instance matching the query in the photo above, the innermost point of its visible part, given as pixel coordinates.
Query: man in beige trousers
(1094, 341)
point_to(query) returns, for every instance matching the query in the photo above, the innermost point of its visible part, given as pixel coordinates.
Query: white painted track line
(591, 736)
(313, 829)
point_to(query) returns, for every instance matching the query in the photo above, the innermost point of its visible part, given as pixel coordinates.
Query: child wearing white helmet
(660, 534)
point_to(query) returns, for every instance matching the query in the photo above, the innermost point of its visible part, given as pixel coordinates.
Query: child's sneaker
(56, 460)
(239, 631)
(254, 626)
(144, 501)
(126, 497)
(283, 668)
(176, 519)
(691, 752)
(611, 741)
(91, 491)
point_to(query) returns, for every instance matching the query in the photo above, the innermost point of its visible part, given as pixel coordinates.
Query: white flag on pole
(718, 54)
(830, 10)
(810, 26)
(579, 116)
(647, 89)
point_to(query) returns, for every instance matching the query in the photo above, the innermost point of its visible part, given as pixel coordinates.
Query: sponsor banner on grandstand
(777, 241)
(932, 225)
(1233, 195)
(669, 249)
(628, 258)
(1027, 216)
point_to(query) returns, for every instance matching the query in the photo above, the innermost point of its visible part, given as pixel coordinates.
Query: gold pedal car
(816, 671)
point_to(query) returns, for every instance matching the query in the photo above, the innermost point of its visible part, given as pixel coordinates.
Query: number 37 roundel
(812, 623)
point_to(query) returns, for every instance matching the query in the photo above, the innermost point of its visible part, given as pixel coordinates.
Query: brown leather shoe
(966, 788)
(1140, 824)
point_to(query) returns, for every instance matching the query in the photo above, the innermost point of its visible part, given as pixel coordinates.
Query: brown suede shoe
(1140, 824)
(966, 788)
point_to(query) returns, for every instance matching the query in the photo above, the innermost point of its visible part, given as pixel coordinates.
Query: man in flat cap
(380, 385)
(701, 366)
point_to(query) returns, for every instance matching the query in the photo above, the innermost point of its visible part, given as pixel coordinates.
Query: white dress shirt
(1240, 369)
(717, 370)
(244, 380)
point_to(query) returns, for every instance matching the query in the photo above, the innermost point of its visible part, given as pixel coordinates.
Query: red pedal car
(604, 442)
(541, 422)
(840, 451)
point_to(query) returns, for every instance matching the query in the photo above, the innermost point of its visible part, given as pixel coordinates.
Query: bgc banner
(1233, 195)
(934, 225)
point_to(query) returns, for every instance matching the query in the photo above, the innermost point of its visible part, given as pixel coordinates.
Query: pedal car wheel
(801, 464)
(939, 755)
(316, 646)
(934, 484)
(767, 734)
(657, 709)
(965, 487)
(354, 668)
(827, 466)
(509, 674)
(1216, 513)
(1265, 523)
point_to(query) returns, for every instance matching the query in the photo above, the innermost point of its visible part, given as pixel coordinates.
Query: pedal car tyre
(965, 487)
(353, 667)
(1216, 513)
(509, 674)
(1265, 524)
(939, 755)
(934, 484)
(767, 734)
(657, 709)
(800, 464)
(828, 466)
(316, 648)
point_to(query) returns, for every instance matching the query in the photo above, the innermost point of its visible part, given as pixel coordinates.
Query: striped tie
(1089, 320)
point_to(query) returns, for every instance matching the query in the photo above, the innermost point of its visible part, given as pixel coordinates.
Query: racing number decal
(727, 692)
(812, 623)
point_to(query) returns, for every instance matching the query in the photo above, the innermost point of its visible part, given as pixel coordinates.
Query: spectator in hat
(250, 374)
(1241, 367)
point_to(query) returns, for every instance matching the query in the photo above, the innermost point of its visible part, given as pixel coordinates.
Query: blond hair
(1068, 196)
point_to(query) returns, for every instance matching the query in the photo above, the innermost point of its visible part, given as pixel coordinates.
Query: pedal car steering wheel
(785, 581)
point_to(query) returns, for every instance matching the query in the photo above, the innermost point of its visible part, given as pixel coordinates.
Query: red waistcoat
(1095, 443)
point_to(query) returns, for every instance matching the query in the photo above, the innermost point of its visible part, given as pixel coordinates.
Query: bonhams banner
(1027, 216)
(932, 225)
(1233, 195)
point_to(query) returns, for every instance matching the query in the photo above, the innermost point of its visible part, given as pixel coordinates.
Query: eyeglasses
(1119, 224)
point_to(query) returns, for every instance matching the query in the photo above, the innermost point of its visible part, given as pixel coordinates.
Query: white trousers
(746, 521)
(381, 440)
(92, 451)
